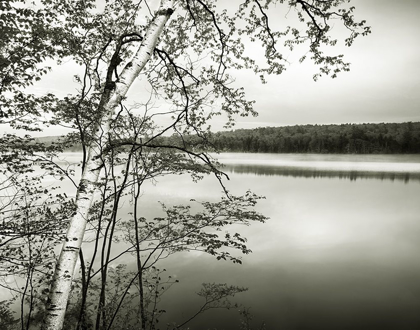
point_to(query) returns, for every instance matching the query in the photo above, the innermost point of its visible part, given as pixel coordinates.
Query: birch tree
(113, 93)
(186, 52)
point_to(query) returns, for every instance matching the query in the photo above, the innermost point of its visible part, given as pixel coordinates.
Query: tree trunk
(62, 280)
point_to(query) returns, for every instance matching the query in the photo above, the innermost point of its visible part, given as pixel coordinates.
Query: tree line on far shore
(383, 138)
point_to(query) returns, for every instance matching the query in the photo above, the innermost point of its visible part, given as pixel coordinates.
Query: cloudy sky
(382, 86)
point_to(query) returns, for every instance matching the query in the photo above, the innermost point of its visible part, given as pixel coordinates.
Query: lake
(340, 250)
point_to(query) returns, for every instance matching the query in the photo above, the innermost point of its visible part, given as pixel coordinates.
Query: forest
(382, 138)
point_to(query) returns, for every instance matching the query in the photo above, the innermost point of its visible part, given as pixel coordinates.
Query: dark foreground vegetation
(54, 222)
(384, 138)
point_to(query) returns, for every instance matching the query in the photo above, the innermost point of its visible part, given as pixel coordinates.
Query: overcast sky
(382, 86)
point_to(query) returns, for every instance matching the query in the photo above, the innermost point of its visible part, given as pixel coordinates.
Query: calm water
(339, 252)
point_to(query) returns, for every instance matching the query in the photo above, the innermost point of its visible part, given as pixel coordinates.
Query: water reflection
(334, 255)
(310, 172)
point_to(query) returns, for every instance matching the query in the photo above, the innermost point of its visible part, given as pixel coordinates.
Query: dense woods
(383, 138)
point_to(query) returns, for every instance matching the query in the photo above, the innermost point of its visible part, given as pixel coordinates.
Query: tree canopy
(186, 54)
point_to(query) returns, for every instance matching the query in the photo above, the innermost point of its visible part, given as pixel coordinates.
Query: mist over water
(392, 167)
(340, 250)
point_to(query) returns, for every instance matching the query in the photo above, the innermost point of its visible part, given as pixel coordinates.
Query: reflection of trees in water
(308, 172)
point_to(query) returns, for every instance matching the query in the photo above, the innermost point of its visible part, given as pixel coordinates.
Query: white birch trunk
(61, 286)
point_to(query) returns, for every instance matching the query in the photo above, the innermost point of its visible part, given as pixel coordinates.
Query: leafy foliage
(187, 54)
(7, 318)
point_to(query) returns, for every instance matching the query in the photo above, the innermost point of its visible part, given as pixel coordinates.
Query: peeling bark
(61, 286)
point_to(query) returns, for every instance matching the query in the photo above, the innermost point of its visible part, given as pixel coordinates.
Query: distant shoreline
(345, 139)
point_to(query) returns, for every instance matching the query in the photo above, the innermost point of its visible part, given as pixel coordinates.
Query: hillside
(383, 138)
